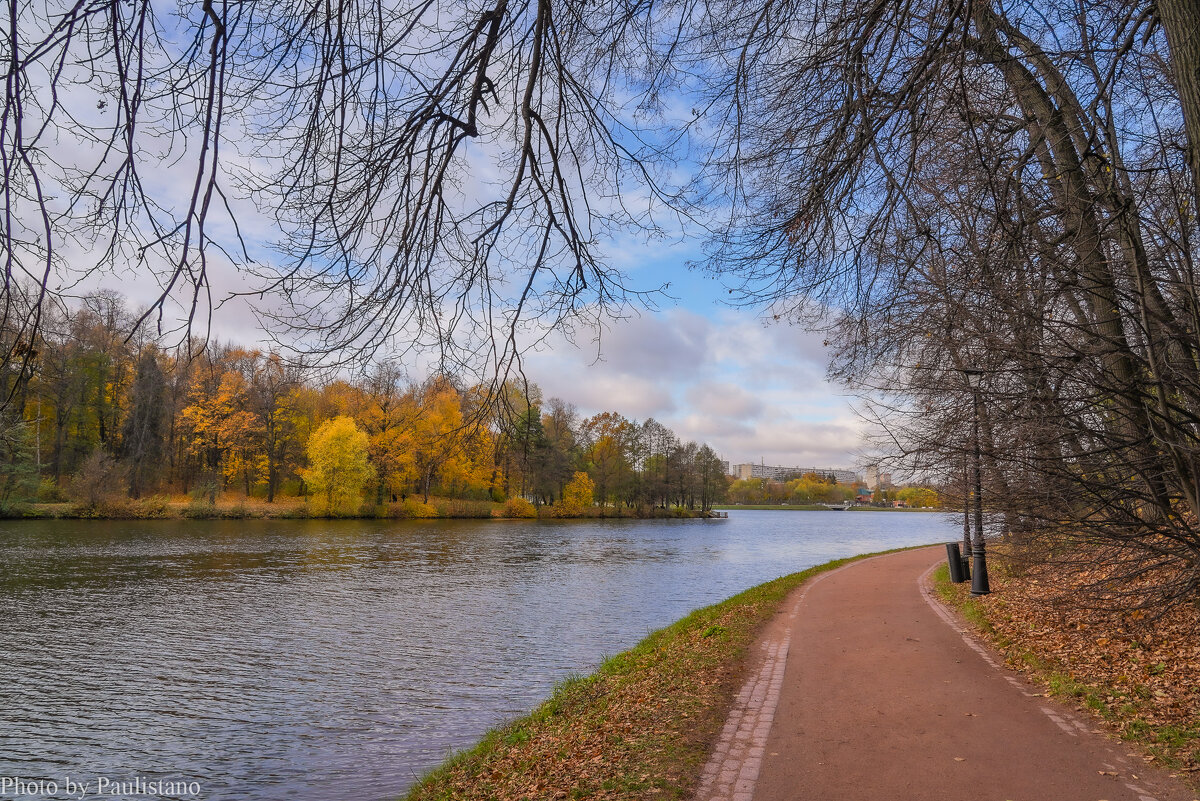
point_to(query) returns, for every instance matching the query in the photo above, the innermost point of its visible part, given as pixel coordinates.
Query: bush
(204, 493)
(200, 509)
(116, 508)
(14, 510)
(412, 509)
(49, 491)
(518, 508)
(465, 508)
(154, 508)
(99, 479)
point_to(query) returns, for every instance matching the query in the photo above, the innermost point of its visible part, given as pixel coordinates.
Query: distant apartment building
(876, 479)
(780, 472)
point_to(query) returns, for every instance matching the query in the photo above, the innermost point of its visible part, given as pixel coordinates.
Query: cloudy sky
(714, 375)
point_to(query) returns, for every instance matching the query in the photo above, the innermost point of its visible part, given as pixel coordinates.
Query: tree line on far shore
(101, 415)
(815, 488)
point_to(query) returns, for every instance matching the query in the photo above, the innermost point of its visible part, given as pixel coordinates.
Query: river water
(342, 659)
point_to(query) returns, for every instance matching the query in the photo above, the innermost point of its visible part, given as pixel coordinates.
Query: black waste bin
(954, 556)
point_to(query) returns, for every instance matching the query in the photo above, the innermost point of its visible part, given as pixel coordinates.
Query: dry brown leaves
(1141, 672)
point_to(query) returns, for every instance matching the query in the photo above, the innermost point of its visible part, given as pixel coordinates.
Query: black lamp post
(979, 576)
(966, 546)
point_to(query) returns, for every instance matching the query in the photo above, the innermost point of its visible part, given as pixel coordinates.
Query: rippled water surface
(340, 660)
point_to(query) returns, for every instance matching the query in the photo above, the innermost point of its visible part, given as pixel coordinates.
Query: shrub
(518, 508)
(154, 508)
(465, 508)
(412, 509)
(49, 491)
(99, 479)
(200, 509)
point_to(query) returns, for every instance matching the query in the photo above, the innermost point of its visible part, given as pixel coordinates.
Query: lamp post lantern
(979, 575)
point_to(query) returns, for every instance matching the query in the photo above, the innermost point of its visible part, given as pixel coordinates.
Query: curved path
(867, 688)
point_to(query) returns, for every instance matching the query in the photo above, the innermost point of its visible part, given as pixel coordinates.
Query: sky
(755, 391)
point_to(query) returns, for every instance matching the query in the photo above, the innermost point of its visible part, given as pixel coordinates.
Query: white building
(780, 472)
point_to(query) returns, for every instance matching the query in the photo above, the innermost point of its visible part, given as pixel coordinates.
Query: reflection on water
(340, 660)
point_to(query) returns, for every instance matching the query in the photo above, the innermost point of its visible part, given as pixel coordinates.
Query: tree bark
(1181, 23)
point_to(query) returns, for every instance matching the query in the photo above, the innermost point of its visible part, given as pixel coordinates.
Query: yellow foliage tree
(220, 432)
(577, 495)
(438, 450)
(339, 468)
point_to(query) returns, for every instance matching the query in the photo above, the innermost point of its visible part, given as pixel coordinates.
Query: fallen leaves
(1139, 671)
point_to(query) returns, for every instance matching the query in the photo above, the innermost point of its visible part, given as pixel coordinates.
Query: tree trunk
(1181, 23)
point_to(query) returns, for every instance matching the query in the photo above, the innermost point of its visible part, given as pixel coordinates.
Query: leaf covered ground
(1138, 669)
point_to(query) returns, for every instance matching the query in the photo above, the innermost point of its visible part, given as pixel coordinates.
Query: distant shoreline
(161, 508)
(812, 507)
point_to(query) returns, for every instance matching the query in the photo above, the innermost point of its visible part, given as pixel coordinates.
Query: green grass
(641, 727)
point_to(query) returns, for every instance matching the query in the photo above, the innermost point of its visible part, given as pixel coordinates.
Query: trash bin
(954, 556)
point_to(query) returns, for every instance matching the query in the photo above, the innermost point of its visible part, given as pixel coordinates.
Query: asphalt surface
(884, 694)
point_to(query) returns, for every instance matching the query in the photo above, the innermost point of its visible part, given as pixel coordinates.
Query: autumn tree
(388, 411)
(272, 397)
(339, 467)
(578, 494)
(433, 446)
(218, 427)
(559, 422)
(605, 438)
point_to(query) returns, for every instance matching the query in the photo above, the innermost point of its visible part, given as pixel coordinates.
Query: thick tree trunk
(1181, 22)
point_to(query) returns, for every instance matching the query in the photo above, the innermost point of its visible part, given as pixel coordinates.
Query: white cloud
(751, 391)
(724, 399)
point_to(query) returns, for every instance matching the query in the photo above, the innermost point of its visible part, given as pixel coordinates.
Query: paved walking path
(867, 688)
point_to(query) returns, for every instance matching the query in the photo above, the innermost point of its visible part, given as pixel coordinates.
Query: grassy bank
(640, 727)
(1140, 675)
(240, 508)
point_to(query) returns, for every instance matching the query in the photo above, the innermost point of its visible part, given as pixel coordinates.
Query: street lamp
(966, 546)
(979, 576)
